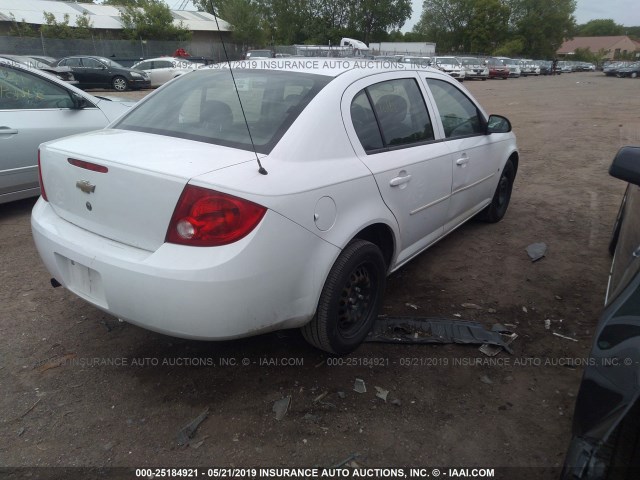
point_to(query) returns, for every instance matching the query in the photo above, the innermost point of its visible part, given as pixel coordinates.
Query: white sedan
(163, 69)
(217, 210)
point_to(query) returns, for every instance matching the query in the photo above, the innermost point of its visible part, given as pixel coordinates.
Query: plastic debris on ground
(565, 337)
(281, 406)
(189, 430)
(536, 251)
(359, 386)
(381, 393)
(419, 330)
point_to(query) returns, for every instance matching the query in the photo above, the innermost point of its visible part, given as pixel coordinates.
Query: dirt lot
(78, 388)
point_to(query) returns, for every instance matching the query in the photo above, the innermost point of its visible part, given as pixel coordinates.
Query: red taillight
(42, 192)
(94, 167)
(206, 218)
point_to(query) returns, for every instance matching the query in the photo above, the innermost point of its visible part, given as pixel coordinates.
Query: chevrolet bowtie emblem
(85, 186)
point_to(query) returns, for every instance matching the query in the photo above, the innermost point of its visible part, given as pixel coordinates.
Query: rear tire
(494, 212)
(350, 299)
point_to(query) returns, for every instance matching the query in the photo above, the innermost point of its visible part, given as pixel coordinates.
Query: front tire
(119, 83)
(350, 299)
(494, 212)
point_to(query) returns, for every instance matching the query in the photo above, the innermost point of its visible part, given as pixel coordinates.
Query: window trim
(386, 147)
(479, 112)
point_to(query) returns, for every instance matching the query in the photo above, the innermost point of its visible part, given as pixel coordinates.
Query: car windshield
(448, 61)
(204, 106)
(470, 61)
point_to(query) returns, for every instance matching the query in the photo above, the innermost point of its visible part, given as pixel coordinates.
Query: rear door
(34, 110)
(391, 129)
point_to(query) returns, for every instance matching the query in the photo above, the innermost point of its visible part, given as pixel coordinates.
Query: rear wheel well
(381, 236)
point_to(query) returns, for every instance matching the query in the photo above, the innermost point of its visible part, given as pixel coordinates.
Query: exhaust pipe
(55, 283)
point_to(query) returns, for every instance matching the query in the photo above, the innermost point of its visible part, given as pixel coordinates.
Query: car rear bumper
(269, 280)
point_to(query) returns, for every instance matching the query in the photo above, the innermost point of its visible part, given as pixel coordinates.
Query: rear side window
(391, 114)
(459, 115)
(205, 107)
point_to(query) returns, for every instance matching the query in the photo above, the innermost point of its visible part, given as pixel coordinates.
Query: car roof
(168, 57)
(330, 67)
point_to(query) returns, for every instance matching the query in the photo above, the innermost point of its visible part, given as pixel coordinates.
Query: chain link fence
(124, 51)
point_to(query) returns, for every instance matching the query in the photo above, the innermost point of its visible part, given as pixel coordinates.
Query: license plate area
(82, 280)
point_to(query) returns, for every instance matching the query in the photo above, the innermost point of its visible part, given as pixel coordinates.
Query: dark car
(101, 72)
(497, 69)
(63, 73)
(606, 420)
(630, 71)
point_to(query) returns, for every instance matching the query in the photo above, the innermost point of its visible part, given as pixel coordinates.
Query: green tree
(371, 18)
(445, 22)
(55, 29)
(542, 24)
(245, 17)
(488, 26)
(22, 28)
(599, 28)
(83, 27)
(151, 19)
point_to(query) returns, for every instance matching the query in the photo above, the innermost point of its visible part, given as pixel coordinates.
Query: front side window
(205, 107)
(459, 115)
(21, 90)
(390, 114)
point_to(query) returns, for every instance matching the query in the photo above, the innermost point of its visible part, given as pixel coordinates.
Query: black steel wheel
(350, 299)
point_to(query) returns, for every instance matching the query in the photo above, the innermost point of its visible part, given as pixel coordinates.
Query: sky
(623, 12)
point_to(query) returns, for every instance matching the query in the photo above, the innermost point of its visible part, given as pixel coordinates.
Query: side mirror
(79, 102)
(498, 124)
(626, 165)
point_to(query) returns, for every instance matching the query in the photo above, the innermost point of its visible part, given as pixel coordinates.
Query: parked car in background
(606, 420)
(632, 70)
(416, 61)
(546, 67)
(497, 68)
(187, 201)
(161, 70)
(512, 64)
(473, 68)
(253, 54)
(564, 67)
(528, 67)
(101, 72)
(36, 107)
(63, 73)
(449, 65)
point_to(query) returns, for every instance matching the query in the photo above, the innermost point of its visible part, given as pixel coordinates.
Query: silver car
(36, 107)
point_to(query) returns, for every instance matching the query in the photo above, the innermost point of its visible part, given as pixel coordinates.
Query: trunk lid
(132, 202)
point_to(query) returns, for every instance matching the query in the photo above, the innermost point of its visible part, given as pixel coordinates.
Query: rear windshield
(204, 106)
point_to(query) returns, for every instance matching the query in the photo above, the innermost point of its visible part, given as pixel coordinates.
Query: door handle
(462, 161)
(397, 181)
(8, 131)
